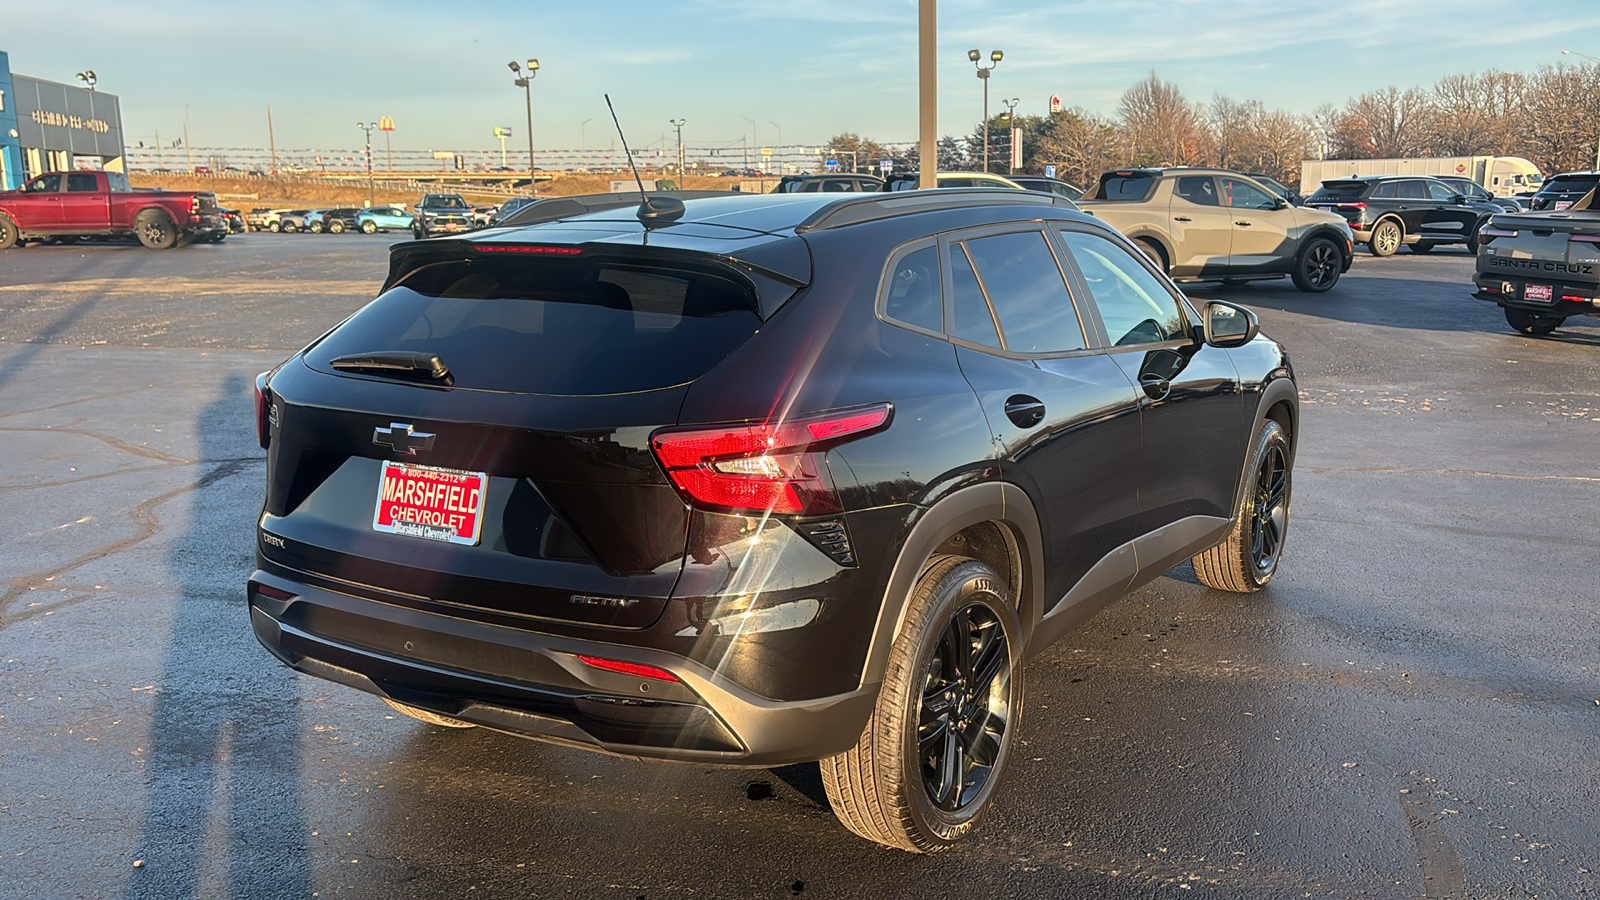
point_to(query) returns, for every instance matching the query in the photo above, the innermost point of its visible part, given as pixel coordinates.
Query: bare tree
(1160, 127)
(1562, 109)
(1478, 114)
(1079, 144)
(1391, 121)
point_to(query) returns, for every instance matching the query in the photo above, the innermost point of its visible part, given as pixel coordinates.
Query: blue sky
(812, 68)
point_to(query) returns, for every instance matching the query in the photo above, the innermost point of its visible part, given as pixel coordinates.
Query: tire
(9, 236)
(336, 226)
(288, 227)
(1524, 322)
(1248, 557)
(893, 786)
(369, 227)
(1472, 236)
(315, 227)
(155, 231)
(418, 234)
(1386, 238)
(1317, 268)
(1420, 247)
(275, 227)
(432, 718)
(1154, 251)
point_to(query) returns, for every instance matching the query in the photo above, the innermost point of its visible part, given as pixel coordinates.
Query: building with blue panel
(51, 127)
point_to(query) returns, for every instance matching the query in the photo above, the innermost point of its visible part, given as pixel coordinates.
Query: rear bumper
(1566, 299)
(533, 685)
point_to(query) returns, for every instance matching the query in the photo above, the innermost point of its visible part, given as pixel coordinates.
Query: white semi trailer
(1503, 176)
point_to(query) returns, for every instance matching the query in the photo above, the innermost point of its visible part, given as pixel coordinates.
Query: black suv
(338, 221)
(761, 479)
(1561, 191)
(1387, 211)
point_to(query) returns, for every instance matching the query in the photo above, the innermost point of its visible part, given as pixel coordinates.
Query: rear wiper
(396, 362)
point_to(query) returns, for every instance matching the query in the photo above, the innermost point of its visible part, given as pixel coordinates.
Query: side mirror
(1459, 198)
(1279, 203)
(1229, 325)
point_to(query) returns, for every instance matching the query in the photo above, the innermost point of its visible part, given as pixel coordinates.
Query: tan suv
(1217, 225)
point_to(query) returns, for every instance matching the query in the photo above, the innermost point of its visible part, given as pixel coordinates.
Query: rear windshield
(1129, 186)
(1580, 184)
(568, 327)
(1340, 190)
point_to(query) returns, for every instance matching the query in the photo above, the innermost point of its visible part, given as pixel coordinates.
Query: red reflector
(537, 249)
(774, 467)
(1575, 298)
(274, 593)
(1585, 238)
(627, 668)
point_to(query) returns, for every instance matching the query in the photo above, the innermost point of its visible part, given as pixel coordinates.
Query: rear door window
(1200, 190)
(563, 327)
(1027, 292)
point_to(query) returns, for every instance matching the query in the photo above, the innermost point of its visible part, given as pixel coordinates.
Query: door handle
(1182, 219)
(1155, 386)
(1024, 411)
(1245, 224)
(1402, 207)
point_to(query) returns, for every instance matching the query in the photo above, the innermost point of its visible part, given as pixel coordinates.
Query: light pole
(526, 83)
(87, 76)
(754, 139)
(983, 75)
(678, 124)
(188, 152)
(372, 191)
(778, 147)
(1011, 122)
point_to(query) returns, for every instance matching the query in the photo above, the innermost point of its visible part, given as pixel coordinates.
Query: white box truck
(1503, 176)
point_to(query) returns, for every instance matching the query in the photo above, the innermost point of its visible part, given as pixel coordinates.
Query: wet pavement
(1411, 710)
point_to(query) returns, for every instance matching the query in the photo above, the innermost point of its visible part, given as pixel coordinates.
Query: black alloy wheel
(1525, 322)
(1317, 270)
(1269, 509)
(962, 725)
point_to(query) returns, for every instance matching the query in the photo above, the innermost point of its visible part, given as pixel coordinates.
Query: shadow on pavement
(225, 727)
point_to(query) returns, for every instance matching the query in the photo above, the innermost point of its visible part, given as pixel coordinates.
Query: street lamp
(1011, 121)
(372, 192)
(754, 138)
(778, 147)
(983, 75)
(526, 83)
(1563, 53)
(88, 77)
(678, 124)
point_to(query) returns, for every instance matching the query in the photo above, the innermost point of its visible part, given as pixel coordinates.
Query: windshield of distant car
(445, 203)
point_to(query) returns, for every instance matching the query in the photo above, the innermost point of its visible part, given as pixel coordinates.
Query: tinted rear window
(1340, 190)
(1133, 186)
(556, 326)
(1580, 184)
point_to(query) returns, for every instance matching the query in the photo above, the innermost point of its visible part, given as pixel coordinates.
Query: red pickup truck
(86, 204)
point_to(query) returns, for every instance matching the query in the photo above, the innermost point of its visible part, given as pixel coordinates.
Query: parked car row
(336, 220)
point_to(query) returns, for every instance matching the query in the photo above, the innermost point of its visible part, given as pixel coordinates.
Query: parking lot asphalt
(1411, 709)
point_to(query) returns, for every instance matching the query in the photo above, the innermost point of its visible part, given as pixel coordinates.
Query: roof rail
(873, 207)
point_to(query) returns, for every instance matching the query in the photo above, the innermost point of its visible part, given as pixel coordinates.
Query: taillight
(194, 204)
(771, 467)
(263, 410)
(627, 668)
(1584, 238)
(1488, 233)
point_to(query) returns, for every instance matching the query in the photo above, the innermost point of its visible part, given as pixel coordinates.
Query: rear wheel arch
(1149, 240)
(995, 523)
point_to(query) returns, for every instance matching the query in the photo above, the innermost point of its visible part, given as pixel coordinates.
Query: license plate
(430, 503)
(1540, 292)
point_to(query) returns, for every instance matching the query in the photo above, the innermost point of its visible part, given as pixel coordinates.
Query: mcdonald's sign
(385, 123)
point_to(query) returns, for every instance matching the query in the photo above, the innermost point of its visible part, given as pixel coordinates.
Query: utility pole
(372, 191)
(270, 142)
(678, 124)
(188, 152)
(927, 95)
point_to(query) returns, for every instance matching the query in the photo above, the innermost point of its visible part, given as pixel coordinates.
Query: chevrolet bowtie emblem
(399, 437)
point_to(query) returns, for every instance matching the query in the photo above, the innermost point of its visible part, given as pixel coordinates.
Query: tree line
(1550, 116)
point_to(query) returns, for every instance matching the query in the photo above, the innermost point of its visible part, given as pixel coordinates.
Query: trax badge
(401, 438)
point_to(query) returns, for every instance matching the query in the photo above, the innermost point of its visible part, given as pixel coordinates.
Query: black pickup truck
(1542, 267)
